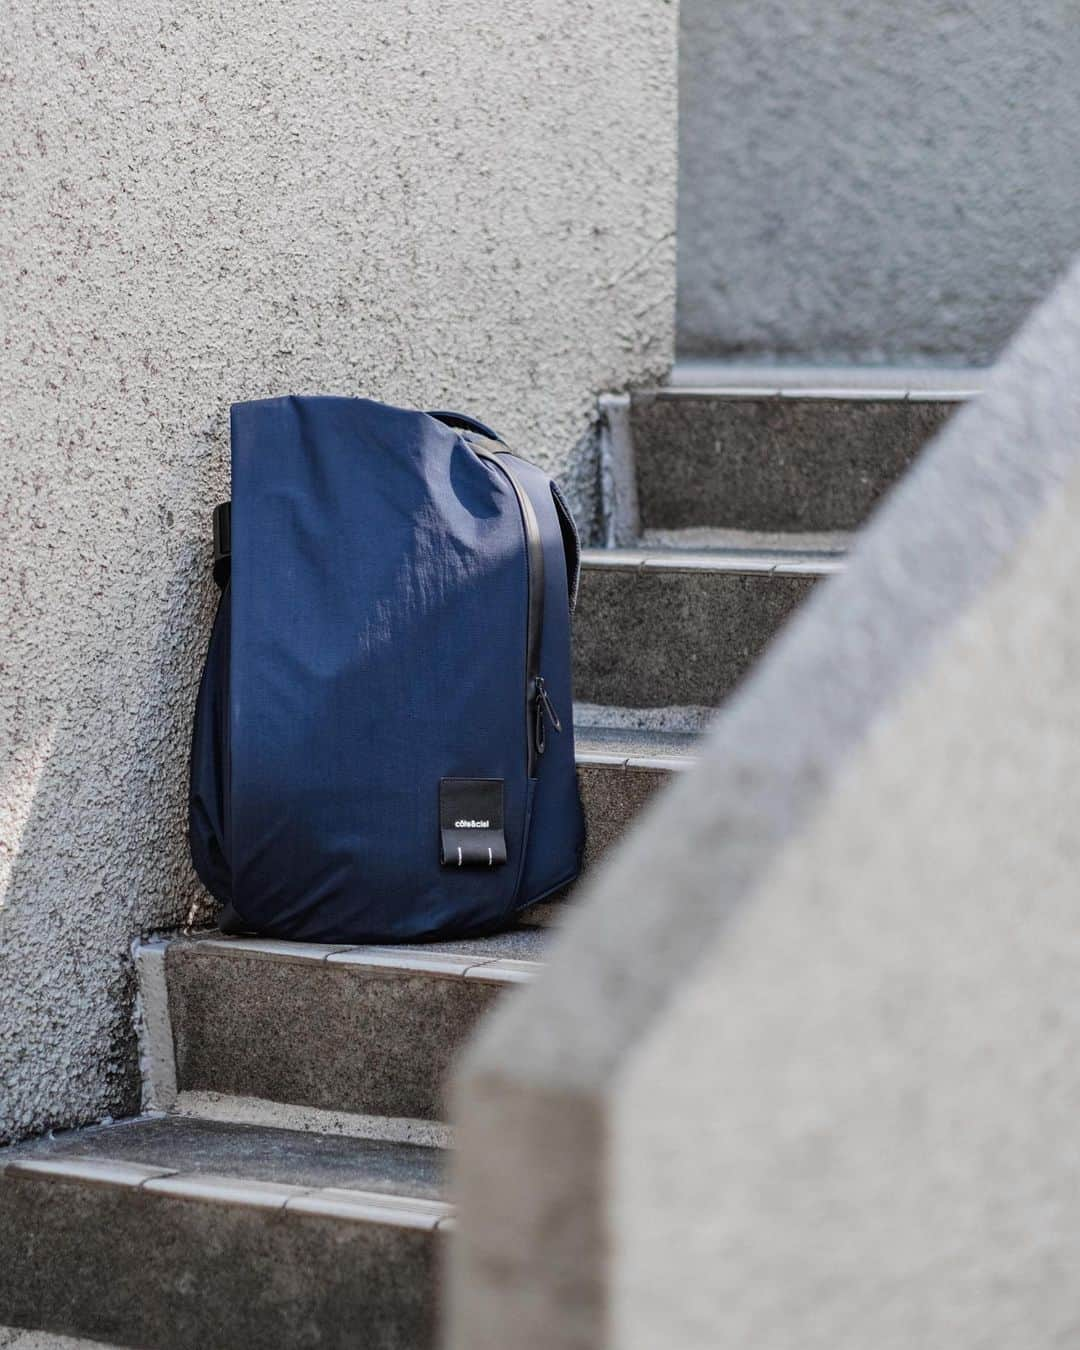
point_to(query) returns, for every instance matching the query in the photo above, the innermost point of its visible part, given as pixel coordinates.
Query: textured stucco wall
(870, 180)
(801, 1069)
(467, 204)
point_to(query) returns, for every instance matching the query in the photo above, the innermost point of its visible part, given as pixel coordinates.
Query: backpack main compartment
(375, 727)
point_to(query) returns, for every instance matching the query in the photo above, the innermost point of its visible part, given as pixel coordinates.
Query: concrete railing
(803, 1070)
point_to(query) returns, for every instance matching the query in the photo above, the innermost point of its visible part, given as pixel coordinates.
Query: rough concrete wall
(818, 1010)
(873, 181)
(466, 204)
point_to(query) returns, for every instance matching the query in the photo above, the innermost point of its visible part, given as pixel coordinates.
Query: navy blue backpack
(383, 747)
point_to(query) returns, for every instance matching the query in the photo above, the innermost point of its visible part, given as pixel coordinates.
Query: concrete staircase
(287, 1185)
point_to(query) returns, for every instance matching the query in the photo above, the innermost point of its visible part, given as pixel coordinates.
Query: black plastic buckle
(223, 543)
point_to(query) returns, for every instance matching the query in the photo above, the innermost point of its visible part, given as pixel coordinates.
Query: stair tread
(522, 943)
(602, 744)
(195, 1147)
(766, 451)
(702, 376)
(172, 1231)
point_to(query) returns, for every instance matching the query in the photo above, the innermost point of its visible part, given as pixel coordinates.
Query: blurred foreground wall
(870, 181)
(801, 1072)
(441, 205)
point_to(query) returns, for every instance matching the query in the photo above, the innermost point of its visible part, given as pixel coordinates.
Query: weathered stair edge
(369, 1032)
(159, 1256)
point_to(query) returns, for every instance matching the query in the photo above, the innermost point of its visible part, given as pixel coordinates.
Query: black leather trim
(223, 543)
(571, 543)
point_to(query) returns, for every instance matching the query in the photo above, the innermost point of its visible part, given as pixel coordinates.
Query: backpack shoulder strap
(463, 422)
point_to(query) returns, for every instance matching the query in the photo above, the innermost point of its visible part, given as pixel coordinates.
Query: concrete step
(769, 456)
(177, 1234)
(619, 770)
(657, 628)
(370, 1031)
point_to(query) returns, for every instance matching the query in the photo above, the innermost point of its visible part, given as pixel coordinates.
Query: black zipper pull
(544, 706)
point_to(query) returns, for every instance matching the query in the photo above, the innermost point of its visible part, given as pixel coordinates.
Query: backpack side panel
(557, 824)
(208, 787)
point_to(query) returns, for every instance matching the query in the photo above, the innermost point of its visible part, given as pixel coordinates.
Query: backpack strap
(463, 422)
(223, 543)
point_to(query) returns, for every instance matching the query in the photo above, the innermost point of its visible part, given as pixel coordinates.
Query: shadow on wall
(95, 790)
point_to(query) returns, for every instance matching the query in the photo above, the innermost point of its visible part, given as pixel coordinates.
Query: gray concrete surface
(773, 463)
(252, 1153)
(181, 1273)
(647, 638)
(312, 1033)
(614, 796)
(815, 1023)
(620, 770)
(873, 182)
(425, 204)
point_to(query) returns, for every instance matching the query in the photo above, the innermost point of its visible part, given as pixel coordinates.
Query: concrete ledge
(157, 1058)
(962, 595)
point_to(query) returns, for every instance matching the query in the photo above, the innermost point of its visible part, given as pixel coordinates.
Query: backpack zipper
(538, 705)
(543, 705)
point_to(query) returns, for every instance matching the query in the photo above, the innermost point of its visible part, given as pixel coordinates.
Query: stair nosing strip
(839, 393)
(661, 763)
(94, 1171)
(445, 965)
(371, 1207)
(721, 563)
(598, 759)
(505, 970)
(218, 1188)
(272, 949)
(388, 961)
